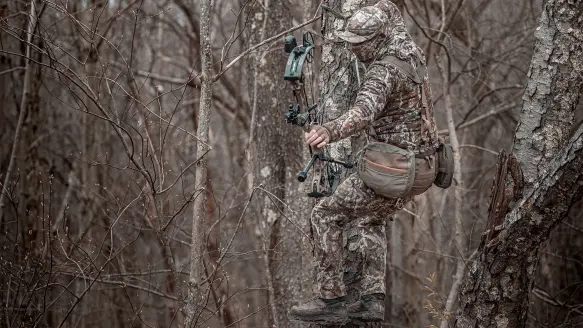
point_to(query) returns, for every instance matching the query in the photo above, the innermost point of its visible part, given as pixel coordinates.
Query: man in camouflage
(393, 105)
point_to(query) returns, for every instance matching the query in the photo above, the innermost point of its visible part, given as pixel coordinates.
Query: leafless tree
(107, 121)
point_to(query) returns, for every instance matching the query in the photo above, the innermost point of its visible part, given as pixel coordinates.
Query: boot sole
(366, 317)
(330, 319)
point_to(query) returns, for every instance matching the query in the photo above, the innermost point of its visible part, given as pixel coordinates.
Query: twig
(269, 40)
(546, 297)
(482, 117)
(123, 284)
(233, 37)
(12, 70)
(480, 148)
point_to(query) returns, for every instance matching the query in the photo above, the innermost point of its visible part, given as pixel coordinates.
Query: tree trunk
(266, 162)
(25, 98)
(521, 215)
(552, 94)
(196, 294)
(271, 138)
(456, 243)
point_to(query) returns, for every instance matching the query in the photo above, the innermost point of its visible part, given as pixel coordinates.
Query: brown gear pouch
(424, 174)
(388, 170)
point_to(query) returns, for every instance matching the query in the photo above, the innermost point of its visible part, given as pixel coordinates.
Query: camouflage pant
(352, 201)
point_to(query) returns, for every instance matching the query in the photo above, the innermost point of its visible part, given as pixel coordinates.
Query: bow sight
(299, 55)
(326, 174)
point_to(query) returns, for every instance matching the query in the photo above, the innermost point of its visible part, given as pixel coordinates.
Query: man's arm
(371, 99)
(379, 83)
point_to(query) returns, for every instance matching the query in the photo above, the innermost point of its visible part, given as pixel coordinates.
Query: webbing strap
(417, 76)
(406, 68)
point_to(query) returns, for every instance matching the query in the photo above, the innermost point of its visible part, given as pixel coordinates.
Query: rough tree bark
(196, 295)
(523, 212)
(270, 140)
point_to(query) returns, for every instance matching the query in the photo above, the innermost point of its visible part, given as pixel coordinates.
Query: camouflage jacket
(389, 107)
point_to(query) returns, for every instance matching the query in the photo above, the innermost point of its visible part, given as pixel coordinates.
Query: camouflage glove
(318, 136)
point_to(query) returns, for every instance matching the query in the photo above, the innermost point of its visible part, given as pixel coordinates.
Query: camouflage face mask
(366, 51)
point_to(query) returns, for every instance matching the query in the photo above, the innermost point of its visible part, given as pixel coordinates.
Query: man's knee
(321, 214)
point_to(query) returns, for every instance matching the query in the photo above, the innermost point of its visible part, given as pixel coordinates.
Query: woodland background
(98, 152)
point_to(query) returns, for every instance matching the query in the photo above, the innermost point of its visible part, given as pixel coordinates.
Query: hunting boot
(368, 308)
(321, 310)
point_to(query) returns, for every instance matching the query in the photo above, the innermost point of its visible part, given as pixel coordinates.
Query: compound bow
(326, 170)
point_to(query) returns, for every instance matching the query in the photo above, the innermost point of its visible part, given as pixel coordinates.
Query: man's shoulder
(400, 68)
(385, 70)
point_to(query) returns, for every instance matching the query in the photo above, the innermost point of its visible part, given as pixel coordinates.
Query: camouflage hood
(396, 40)
(381, 31)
